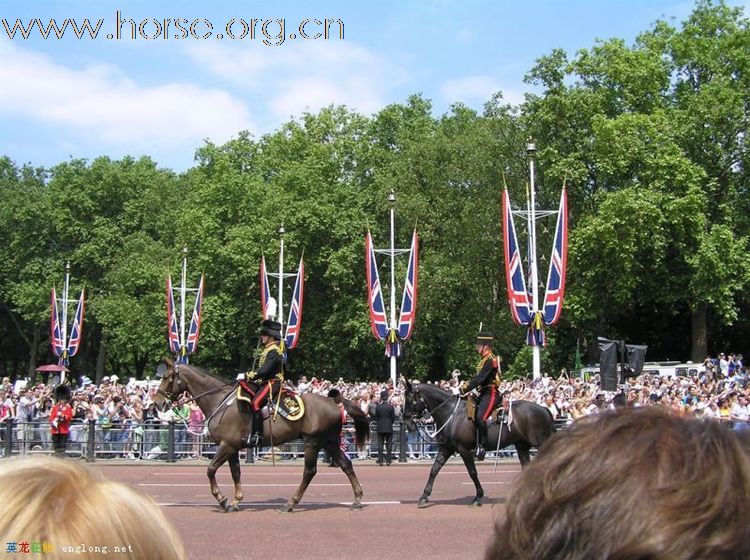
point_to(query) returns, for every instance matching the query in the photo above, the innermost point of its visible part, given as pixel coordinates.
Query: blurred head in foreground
(64, 505)
(634, 483)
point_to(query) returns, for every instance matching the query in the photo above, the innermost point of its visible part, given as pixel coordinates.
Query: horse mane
(435, 388)
(207, 373)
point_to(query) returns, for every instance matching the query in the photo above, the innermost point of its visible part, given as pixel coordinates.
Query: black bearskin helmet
(62, 393)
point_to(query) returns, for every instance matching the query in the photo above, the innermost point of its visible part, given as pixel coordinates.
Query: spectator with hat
(385, 415)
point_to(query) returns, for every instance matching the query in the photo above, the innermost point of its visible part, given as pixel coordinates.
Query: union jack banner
(173, 334)
(409, 300)
(55, 338)
(76, 333)
(518, 298)
(265, 289)
(195, 321)
(378, 321)
(295, 309)
(555, 289)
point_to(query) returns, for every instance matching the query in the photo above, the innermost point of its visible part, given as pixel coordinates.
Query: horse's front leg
(312, 447)
(440, 460)
(222, 454)
(468, 456)
(234, 467)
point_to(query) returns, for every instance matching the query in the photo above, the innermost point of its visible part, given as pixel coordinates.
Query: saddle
(287, 403)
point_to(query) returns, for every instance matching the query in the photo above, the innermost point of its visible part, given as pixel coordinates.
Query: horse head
(414, 405)
(171, 385)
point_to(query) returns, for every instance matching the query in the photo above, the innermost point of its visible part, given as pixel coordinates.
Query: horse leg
(524, 456)
(440, 460)
(468, 457)
(311, 468)
(234, 467)
(335, 451)
(222, 454)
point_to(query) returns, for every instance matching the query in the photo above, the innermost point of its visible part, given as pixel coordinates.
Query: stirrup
(480, 452)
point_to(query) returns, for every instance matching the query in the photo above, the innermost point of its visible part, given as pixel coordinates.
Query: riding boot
(482, 444)
(256, 437)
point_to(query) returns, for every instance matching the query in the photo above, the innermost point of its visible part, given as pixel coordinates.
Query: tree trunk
(699, 326)
(100, 358)
(33, 347)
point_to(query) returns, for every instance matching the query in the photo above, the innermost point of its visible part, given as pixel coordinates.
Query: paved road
(389, 526)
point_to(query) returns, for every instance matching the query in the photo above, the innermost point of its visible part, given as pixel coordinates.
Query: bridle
(426, 407)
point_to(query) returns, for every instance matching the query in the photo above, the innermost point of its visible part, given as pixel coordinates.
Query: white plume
(271, 308)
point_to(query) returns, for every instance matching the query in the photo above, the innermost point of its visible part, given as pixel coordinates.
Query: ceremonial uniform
(486, 381)
(268, 377)
(60, 417)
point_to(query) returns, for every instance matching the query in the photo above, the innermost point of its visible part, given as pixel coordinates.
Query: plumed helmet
(271, 328)
(62, 393)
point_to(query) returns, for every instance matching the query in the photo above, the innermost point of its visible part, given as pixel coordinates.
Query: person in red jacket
(59, 418)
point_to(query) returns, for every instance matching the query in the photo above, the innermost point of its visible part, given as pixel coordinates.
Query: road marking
(244, 485)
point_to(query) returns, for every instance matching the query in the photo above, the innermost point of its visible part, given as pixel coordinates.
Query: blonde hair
(70, 507)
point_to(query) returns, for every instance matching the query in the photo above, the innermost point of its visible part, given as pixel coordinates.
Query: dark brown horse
(229, 424)
(531, 426)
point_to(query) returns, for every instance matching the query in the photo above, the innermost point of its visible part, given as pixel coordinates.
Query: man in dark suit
(385, 415)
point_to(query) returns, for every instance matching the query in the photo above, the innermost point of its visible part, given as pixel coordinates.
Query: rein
(195, 398)
(450, 417)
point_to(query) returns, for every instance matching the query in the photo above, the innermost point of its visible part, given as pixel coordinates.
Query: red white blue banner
(409, 300)
(56, 338)
(195, 321)
(173, 334)
(295, 309)
(518, 297)
(76, 333)
(378, 321)
(555, 287)
(265, 289)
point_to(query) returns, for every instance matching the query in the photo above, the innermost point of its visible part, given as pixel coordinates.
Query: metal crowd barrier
(176, 441)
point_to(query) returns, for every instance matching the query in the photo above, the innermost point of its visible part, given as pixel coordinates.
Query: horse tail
(361, 422)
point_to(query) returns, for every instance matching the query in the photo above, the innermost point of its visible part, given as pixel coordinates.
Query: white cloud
(303, 76)
(101, 101)
(477, 89)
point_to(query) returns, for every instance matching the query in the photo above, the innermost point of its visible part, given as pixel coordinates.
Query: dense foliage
(650, 138)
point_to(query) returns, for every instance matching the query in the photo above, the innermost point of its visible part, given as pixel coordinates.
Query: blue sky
(162, 97)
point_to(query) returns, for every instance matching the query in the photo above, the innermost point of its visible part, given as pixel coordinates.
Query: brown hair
(635, 483)
(64, 504)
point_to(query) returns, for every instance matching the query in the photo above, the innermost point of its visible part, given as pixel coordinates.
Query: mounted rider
(268, 377)
(486, 381)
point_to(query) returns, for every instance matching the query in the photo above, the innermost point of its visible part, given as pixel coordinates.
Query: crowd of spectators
(127, 419)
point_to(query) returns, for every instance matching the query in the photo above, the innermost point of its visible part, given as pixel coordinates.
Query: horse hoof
(234, 506)
(223, 503)
(423, 502)
(356, 506)
(476, 503)
(286, 508)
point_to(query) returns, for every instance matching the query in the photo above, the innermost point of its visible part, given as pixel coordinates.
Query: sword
(497, 447)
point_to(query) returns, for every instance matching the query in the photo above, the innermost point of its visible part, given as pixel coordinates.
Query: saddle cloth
(288, 404)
